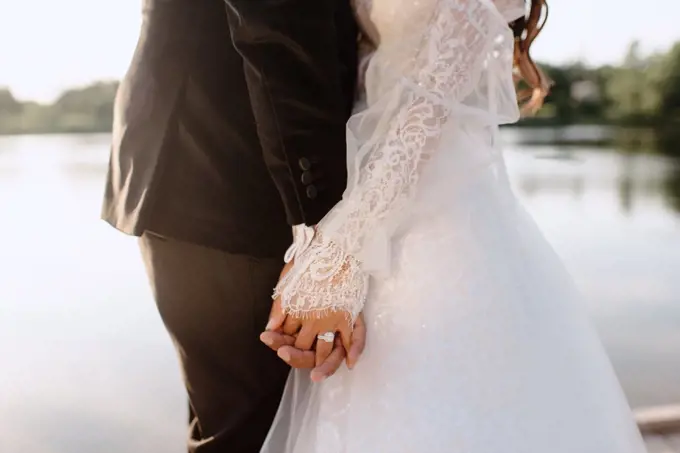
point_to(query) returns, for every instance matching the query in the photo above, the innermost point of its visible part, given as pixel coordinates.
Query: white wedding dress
(477, 342)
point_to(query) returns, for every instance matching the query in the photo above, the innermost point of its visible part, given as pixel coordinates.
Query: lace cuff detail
(324, 279)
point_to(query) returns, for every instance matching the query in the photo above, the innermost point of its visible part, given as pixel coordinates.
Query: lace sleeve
(391, 142)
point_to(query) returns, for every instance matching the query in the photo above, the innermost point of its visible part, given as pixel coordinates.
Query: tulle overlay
(477, 340)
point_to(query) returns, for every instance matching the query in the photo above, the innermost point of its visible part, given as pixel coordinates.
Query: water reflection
(671, 187)
(86, 363)
(640, 171)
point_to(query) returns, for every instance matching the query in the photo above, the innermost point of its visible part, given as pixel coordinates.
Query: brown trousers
(214, 305)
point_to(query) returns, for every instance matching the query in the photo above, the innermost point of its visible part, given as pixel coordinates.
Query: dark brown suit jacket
(230, 123)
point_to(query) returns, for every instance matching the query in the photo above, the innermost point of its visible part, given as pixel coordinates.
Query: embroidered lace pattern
(329, 272)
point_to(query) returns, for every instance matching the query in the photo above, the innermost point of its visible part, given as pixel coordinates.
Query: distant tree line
(79, 110)
(643, 91)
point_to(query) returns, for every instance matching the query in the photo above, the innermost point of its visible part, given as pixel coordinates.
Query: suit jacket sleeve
(294, 72)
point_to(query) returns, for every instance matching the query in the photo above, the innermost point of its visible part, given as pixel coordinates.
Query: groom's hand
(284, 345)
(297, 358)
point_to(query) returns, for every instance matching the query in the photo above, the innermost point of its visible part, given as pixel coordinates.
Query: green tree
(632, 88)
(8, 103)
(560, 94)
(85, 109)
(10, 112)
(667, 81)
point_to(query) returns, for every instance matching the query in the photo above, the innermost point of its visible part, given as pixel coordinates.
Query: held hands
(297, 342)
(335, 353)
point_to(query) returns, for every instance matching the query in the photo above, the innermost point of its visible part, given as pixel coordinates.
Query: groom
(230, 128)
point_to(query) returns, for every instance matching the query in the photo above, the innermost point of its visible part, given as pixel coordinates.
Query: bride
(477, 342)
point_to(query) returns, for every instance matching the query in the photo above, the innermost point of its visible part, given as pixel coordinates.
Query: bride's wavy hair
(526, 29)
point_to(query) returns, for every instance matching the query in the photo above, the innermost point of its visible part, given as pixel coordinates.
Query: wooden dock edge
(659, 419)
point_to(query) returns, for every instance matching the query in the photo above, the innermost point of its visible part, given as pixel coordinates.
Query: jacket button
(311, 192)
(305, 164)
(307, 178)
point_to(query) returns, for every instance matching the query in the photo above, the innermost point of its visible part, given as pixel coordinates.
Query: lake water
(87, 367)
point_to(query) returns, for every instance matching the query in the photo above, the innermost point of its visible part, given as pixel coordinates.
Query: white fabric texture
(418, 81)
(477, 341)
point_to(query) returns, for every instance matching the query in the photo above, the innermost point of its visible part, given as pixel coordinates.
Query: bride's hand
(334, 324)
(326, 361)
(308, 329)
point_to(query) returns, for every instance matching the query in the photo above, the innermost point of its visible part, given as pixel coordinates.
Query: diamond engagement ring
(328, 337)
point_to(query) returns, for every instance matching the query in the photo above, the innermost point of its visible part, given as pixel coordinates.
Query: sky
(47, 46)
